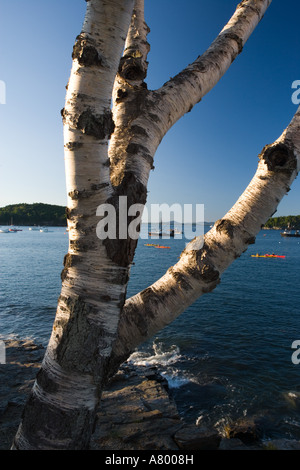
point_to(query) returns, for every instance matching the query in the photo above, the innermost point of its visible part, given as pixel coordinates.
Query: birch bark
(143, 117)
(206, 258)
(60, 411)
(89, 340)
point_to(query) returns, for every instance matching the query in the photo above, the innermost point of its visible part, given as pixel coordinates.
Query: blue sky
(208, 157)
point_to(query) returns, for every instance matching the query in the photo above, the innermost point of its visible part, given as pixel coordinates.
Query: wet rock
(232, 444)
(282, 444)
(192, 437)
(247, 430)
(23, 360)
(136, 413)
(136, 410)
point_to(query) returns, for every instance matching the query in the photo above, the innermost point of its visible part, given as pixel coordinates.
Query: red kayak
(156, 245)
(267, 256)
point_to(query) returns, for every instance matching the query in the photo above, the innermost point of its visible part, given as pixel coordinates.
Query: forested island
(286, 222)
(33, 214)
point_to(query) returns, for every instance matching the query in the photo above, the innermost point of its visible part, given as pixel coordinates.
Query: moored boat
(289, 233)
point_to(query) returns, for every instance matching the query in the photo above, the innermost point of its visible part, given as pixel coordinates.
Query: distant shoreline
(51, 215)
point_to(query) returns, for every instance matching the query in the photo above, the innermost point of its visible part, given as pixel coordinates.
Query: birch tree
(112, 127)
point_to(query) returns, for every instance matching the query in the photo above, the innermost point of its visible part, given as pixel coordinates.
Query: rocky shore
(136, 413)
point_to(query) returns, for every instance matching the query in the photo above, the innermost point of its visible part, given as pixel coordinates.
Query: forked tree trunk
(92, 332)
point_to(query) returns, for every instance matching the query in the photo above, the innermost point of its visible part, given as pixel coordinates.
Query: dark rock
(136, 414)
(23, 360)
(192, 437)
(282, 444)
(247, 430)
(232, 444)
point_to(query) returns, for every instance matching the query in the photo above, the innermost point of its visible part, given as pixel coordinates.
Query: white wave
(175, 379)
(164, 360)
(292, 398)
(292, 422)
(159, 358)
(199, 420)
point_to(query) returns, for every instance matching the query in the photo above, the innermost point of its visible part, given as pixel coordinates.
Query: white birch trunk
(61, 408)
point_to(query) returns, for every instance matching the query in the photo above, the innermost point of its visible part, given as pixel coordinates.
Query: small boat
(288, 233)
(44, 230)
(160, 233)
(267, 256)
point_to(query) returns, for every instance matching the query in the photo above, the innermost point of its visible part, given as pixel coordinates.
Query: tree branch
(133, 65)
(206, 258)
(129, 93)
(182, 92)
(143, 117)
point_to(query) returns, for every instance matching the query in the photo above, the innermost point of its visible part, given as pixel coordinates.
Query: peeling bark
(86, 54)
(279, 157)
(99, 126)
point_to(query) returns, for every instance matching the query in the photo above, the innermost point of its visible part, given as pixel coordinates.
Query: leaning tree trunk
(89, 340)
(205, 258)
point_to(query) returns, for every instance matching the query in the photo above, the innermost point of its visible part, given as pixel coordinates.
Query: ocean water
(228, 356)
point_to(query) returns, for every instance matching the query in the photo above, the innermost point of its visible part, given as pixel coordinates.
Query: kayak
(267, 256)
(156, 245)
